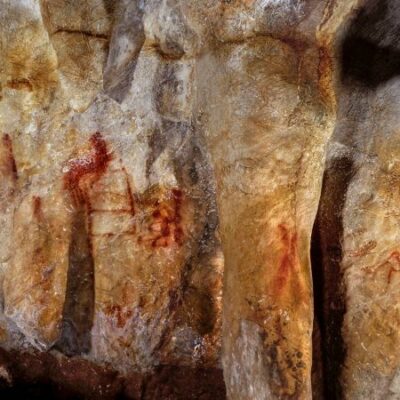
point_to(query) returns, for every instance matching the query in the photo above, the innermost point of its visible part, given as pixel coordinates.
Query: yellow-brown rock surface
(161, 170)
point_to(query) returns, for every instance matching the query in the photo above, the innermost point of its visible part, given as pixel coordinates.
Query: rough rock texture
(161, 171)
(357, 224)
(109, 244)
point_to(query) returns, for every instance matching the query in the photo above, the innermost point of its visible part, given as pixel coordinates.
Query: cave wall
(197, 188)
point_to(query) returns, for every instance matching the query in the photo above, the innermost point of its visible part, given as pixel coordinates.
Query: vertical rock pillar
(267, 117)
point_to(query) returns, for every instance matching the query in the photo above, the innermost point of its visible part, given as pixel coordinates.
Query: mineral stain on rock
(120, 314)
(89, 167)
(20, 84)
(9, 160)
(289, 263)
(37, 207)
(80, 297)
(165, 224)
(390, 265)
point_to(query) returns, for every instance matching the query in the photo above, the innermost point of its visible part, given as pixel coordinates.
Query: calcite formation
(195, 188)
(357, 223)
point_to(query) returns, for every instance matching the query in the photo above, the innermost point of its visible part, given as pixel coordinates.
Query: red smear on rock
(37, 207)
(10, 160)
(392, 264)
(120, 314)
(93, 164)
(289, 259)
(394, 260)
(166, 221)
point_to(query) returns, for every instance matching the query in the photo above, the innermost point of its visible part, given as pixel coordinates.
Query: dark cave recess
(43, 376)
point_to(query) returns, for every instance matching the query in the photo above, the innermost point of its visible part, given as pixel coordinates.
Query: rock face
(357, 222)
(167, 212)
(109, 243)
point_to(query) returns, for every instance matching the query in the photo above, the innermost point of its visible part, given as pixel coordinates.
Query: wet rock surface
(198, 199)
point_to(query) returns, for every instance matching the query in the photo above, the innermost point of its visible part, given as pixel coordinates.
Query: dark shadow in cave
(329, 288)
(46, 376)
(370, 54)
(78, 309)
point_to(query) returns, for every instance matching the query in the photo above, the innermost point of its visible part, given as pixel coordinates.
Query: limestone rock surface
(195, 188)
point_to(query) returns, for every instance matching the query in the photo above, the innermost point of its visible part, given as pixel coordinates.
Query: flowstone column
(358, 219)
(266, 105)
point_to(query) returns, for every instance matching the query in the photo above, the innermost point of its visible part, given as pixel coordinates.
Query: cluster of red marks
(289, 260)
(393, 264)
(165, 227)
(92, 165)
(10, 160)
(120, 314)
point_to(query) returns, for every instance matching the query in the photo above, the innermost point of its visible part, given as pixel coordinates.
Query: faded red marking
(93, 164)
(10, 160)
(364, 250)
(165, 224)
(289, 260)
(37, 207)
(394, 266)
(20, 84)
(112, 210)
(120, 314)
